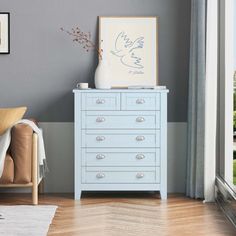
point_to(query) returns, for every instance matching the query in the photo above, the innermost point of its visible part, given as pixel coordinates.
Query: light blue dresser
(120, 140)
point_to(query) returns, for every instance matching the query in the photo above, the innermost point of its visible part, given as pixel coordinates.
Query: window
(226, 90)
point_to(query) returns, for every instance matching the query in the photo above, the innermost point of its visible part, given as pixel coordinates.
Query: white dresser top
(121, 90)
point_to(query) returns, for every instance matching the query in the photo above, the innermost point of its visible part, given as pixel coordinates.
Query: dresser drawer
(101, 101)
(140, 101)
(117, 157)
(120, 120)
(138, 140)
(121, 176)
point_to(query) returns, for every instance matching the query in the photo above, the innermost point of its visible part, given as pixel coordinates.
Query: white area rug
(26, 220)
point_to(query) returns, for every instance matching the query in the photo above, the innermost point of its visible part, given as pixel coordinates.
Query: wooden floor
(139, 214)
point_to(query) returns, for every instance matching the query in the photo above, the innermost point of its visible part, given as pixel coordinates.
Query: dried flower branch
(84, 39)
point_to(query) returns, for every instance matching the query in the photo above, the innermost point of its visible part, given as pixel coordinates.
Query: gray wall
(44, 65)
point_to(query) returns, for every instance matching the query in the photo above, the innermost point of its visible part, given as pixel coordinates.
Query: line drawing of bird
(125, 49)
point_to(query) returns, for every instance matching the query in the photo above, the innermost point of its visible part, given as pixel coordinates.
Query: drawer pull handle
(140, 119)
(100, 101)
(100, 119)
(140, 101)
(100, 175)
(140, 138)
(140, 156)
(100, 138)
(140, 175)
(100, 156)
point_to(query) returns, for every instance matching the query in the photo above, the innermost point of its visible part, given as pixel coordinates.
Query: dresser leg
(78, 195)
(163, 194)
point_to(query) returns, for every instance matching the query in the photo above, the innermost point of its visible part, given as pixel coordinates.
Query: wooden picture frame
(130, 47)
(4, 32)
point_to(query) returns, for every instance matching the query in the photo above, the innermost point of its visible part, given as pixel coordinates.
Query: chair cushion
(9, 116)
(21, 152)
(8, 171)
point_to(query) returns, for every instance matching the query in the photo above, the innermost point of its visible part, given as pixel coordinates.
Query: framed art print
(130, 47)
(4, 33)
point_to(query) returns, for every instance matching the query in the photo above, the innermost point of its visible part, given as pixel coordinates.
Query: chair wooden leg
(35, 195)
(35, 171)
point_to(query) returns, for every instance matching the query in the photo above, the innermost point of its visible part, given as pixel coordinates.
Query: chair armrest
(21, 152)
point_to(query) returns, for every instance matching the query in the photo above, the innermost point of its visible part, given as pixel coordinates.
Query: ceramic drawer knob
(100, 156)
(140, 119)
(100, 119)
(140, 175)
(140, 101)
(140, 156)
(100, 138)
(100, 101)
(140, 138)
(100, 175)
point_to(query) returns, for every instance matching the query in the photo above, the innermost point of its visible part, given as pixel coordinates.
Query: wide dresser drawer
(120, 157)
(136, 176)
(101, 101)
(121, 139)
(120, 120)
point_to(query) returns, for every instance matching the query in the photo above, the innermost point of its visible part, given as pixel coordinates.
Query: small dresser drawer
(139, 140)
(106, 177)
(107, 120)
(101, 101)
(140, 101)
(117, 157)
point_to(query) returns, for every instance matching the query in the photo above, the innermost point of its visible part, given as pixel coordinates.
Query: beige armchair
(21, 164)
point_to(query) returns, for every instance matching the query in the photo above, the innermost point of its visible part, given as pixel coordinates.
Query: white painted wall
(59, 143)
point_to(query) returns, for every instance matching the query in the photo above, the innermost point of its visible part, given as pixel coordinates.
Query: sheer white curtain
(218, 56)
(211, 100)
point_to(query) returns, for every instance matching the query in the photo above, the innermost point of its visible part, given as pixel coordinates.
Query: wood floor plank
(135, 214)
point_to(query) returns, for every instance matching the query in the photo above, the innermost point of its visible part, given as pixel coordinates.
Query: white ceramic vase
(102, 75)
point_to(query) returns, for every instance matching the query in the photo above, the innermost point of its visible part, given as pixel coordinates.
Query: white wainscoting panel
(59, 143)
(177, 157)
(59, 146)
